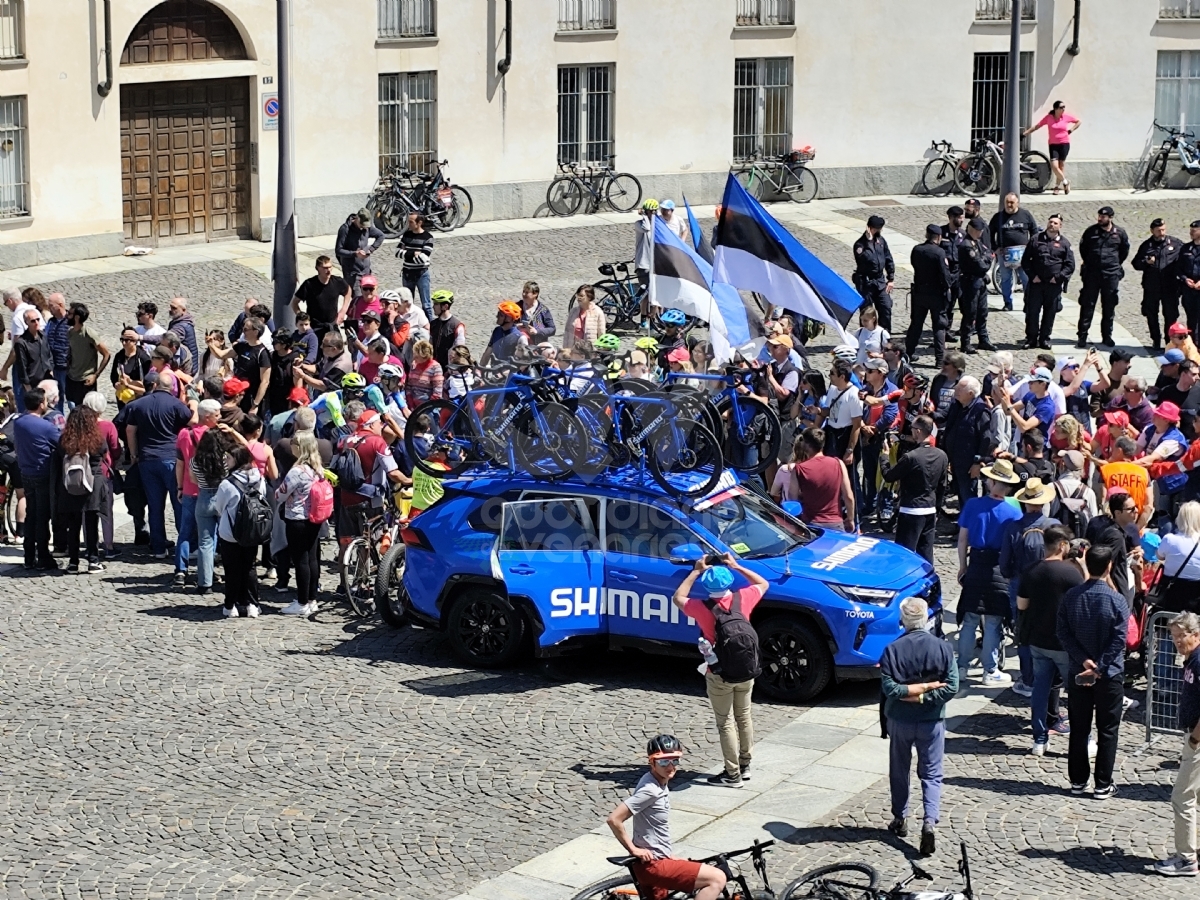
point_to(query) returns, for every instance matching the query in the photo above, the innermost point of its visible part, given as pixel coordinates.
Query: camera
(714, 559)
(1078, 547)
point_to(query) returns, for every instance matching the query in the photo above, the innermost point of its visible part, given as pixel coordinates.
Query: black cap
(370, 314)
(1157, 223)
(956, 211)
(972, 200)
(978, 224)
(1196, 224)
(1120, 356)
(875, 222)
(1105, 211)
(933, 231)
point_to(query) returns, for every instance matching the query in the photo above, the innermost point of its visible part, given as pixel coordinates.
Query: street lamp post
(283, 257)
(1010, 181)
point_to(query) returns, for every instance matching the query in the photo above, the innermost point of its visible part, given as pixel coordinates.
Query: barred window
(12, 29)
(407, 18)
(14, 170)
(408, 120)
(765, 12)
(1177, 90)
(586, 15)
(585, 114)
(762, 107)
(989, 96)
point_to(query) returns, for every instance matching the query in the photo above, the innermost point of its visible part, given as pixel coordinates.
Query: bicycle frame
(721, 861)
(743, 410)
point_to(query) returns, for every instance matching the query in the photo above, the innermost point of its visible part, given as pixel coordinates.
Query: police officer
(1156, 259)
(971, 209)
(1102, 252)
(952, 237)
(1048, 262)
(875, 270)
(1189, 280)
(974, 265)
(930, 293)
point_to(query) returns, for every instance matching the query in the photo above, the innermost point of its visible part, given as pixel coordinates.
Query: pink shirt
(185, 450)
(1058, 128)
(697, 609)
(258, 450)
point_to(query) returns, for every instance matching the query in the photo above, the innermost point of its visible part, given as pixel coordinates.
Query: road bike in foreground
(626, 887)
(859, 881)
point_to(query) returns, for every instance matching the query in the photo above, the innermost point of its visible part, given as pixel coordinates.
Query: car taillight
(414, 537)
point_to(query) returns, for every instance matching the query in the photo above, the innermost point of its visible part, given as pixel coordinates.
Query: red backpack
(319, 505)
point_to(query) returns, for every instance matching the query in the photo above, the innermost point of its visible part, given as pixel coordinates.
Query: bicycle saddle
(621, 860)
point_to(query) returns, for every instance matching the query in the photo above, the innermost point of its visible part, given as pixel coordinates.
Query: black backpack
(738, 656)
(1073, 510)
(347, 465)
(253, 518)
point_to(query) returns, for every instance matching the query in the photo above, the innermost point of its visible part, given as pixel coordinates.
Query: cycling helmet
(916, 381)
(387, 370)
(390, 297)
(649, 344)
(510, 309)
(354, 381)
(717, 580)
(609, 343)
(441, 297)
(664, 745)
(650, 205)
(674, 317)
(845, 352)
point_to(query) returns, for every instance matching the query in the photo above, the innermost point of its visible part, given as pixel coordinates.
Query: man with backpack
(729, 645)
(1075, 505)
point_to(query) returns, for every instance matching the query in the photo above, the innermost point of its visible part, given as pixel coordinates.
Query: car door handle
(623, 576)
(522, 570)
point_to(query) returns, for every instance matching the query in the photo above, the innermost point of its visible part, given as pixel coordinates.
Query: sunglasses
(129, 340)
(667, 763)
(367, 287)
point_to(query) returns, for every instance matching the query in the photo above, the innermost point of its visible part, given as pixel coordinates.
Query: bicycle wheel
(619, 887)
(1035, 171)
(390, 597)
(678, 452)
(938, 177)
(609, 297)
(449, 424)
(438, 216)
(800, 184)
(564, 196)
(993, 284)
(358, 577)
(550, 443)
(464, 205)
(753, 435)
(624, 192)
(841, 881)
(695, 405)
(1156, 172)
(975, 175)
(751, 181)
(392, 215)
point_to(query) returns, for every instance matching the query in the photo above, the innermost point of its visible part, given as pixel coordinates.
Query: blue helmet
(674, 317)
(716, 580)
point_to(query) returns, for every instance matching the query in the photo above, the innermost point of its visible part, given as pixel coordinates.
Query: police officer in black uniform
(952, 237)
(1102, 253)
(971, 211)
(930, 293)
(1189, 275)
(875, 270)
(1156, 259)
(1048, 262)
(974, 266)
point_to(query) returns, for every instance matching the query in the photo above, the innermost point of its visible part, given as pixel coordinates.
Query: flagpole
(650, 288)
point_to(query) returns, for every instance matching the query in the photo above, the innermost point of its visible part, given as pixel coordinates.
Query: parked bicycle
(859, 881)
(400, 191)
(788, 176)
(937, 178)
(594, 183)
(979, 172)
(1178, 144)
(620, 297)
(626, 887)
(360, 558)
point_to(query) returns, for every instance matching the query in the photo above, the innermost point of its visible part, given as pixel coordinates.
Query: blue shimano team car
(506, 565)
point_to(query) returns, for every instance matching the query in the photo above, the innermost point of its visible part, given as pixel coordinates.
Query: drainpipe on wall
(105, 88)
(1074, 48)
(505, 64)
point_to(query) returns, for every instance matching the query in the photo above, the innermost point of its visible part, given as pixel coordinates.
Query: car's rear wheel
(796, 665)
(484, 629)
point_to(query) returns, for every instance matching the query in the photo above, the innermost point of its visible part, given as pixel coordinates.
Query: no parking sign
(270, 112)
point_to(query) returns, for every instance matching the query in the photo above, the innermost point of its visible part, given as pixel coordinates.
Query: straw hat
(1035, 493)
(1001, 470)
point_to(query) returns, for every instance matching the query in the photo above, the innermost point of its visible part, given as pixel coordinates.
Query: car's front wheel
(485, 631)
(796, 665)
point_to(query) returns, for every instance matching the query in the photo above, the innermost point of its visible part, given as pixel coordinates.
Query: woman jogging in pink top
(1059, 125)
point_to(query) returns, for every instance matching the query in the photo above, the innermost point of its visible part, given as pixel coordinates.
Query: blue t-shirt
(159, 418)
(1042, 410)
(985, 519)
(307, 344)
(36, 438)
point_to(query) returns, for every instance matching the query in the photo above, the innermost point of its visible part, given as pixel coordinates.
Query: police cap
(956, 211)
(1105, 211)
(1157, 223)
(875, 222)
(978, 224)
(933, 231)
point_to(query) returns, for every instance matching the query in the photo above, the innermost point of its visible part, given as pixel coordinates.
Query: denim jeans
(1044, 664)
(158, 481)
(929, 739)
(993, 635)
(61, 377)
(1006, 283)
(186, 525)
(419, 285)
(206, 528)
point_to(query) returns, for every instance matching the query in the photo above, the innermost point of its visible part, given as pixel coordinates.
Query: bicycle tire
(1156, 171)
(753, 185)
(975, 175)
(439, 217)
(10, 509)
(668, 456)
(694, 404)
(993, 283)
(564, 195)
(450, 423)
(937, 178)
(768, 444)
(623, 192)
(817, 890)
(610, 298)
(1035, 171)
(358, 577)
(551, 448)
(389, 582)
(465, 205)
(594, 413)
(607, 889)
(807, 185)
(392, 216)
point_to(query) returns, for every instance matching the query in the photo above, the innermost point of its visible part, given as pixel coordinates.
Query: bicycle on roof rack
(1180, 144)
(596, 183)
(626, 887)
(787, 175)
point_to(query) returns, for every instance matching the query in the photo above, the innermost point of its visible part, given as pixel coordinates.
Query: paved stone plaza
(157, 750)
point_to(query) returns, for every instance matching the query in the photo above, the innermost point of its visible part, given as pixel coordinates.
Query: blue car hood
(851, 560)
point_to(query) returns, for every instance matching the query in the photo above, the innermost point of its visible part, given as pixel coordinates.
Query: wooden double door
(185, 154)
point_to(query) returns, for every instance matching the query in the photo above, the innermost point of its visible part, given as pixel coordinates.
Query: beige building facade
(181, 147)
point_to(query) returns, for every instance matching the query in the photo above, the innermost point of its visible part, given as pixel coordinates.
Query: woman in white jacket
(241, 577)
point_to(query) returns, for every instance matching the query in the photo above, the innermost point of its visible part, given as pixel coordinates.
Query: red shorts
(664, 876)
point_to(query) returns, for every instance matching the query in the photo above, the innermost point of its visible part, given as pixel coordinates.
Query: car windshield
(750, 525)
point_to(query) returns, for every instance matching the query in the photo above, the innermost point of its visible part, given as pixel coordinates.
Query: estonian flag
(755, 253)
(682, 279)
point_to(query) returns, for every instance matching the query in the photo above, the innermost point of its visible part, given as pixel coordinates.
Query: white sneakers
(1038, 748)
(252, 611)
(230, 612)
(995, 679)
(295, 608)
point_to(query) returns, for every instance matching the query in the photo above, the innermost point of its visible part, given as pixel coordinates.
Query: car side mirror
(793, 508)
(686, 554)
